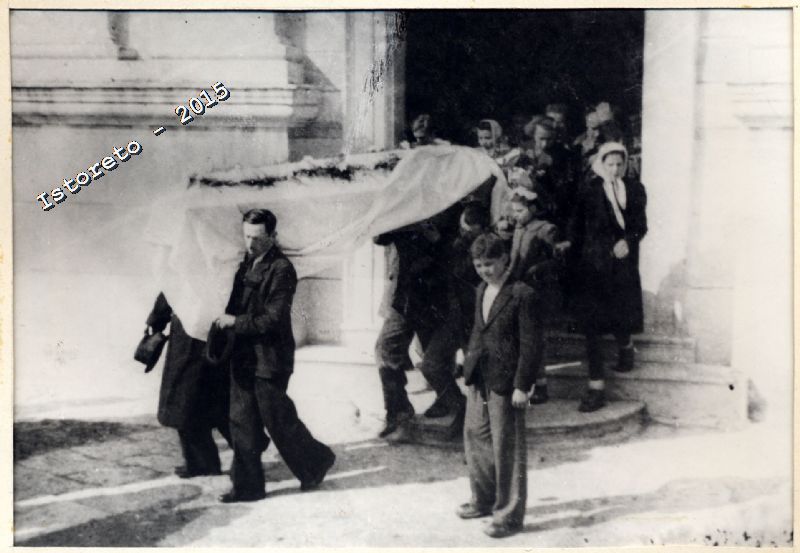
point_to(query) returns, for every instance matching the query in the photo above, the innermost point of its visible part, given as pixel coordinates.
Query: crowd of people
(489, 274)
(484, 278)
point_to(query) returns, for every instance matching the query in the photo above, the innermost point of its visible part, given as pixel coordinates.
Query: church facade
(716, 135)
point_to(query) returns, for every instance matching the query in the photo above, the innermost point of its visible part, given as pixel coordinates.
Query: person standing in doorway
(608, 224)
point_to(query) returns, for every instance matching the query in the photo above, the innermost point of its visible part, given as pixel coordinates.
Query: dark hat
(219, 346)
(149, 349)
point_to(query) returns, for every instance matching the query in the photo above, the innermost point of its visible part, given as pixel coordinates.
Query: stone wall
(86, 81)
(717, 165)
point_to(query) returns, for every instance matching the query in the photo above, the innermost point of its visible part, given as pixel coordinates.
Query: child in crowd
(474, 221)
(505, 343)
(534, 261)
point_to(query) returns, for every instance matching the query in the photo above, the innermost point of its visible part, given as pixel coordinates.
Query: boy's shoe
(468, 511)
(625, 360)
(495, 530)
(540, 395)
(592, 401)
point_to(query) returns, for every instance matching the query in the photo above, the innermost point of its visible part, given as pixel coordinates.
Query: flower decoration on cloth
(614, 187)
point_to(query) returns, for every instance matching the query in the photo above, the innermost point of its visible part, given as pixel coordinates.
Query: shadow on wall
(664, 310)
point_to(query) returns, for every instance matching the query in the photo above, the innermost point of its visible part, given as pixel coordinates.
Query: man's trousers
(257, 403)
(439, 339)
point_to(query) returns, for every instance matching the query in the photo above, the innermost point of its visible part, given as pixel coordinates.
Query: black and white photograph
(400, 277)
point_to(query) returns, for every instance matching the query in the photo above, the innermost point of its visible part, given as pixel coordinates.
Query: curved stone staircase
(667, 386)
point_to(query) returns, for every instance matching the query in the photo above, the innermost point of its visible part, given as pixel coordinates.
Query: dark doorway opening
(463, 66)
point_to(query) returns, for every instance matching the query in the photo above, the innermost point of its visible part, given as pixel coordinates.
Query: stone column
(757, 46)
(373, 119)
(668, 153)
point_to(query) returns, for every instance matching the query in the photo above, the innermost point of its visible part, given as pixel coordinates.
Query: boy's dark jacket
(507, 347)
(262, 303)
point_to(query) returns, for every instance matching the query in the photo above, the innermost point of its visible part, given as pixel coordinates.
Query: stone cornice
(763, 105)
(116, 106)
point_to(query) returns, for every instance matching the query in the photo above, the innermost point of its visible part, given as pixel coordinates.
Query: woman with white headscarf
(495, 195)
(605, 231)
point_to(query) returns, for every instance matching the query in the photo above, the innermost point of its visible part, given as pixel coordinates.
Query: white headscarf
(497, 130)
(614, 187)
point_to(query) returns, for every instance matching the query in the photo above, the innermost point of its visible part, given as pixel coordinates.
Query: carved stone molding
(289, 106)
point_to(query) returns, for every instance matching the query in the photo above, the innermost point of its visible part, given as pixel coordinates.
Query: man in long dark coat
(193, 397)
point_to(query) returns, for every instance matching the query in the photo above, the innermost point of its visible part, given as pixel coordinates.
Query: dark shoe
(393, 422)
(456, 428)
(402, 434)
(451, 402)
(183, 472)
(592, 401)
(625, 362)
(502, 530)
(468, 510)
(235, 497)
(438, 410)
(540, 395)
(314, 483)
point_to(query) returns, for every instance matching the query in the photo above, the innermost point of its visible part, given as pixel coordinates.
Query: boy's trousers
(494, 443)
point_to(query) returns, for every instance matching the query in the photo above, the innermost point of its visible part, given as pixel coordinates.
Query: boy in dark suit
(499, 369)
(259, 315)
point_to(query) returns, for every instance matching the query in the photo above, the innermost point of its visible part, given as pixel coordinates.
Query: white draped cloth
(321, 221)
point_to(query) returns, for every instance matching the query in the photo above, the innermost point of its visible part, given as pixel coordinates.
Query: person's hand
(148, 330)
(519, 399)
(225, 321)
(504, 229)
(562, 247)
(621, 250)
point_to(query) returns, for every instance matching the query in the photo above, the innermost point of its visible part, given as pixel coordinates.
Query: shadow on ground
(35, 437)
(97, 458)
(139, 519)
(677, 496)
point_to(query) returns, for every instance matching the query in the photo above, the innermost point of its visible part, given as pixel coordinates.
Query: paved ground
(86, 478)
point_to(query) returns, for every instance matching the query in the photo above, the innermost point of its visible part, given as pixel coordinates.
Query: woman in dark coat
(194, 396)
(608, 223)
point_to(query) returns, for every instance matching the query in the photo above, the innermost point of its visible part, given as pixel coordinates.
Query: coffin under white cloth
(320, 221)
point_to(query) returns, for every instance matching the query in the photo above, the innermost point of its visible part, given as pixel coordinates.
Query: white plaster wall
(717, 112)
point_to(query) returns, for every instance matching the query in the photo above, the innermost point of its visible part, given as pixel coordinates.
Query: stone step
(565, 346)
(555, 422)
(677, 393)
(335, 354)
(685, 394)
(561, 347)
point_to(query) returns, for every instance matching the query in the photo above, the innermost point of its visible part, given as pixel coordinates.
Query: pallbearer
(259, 317)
